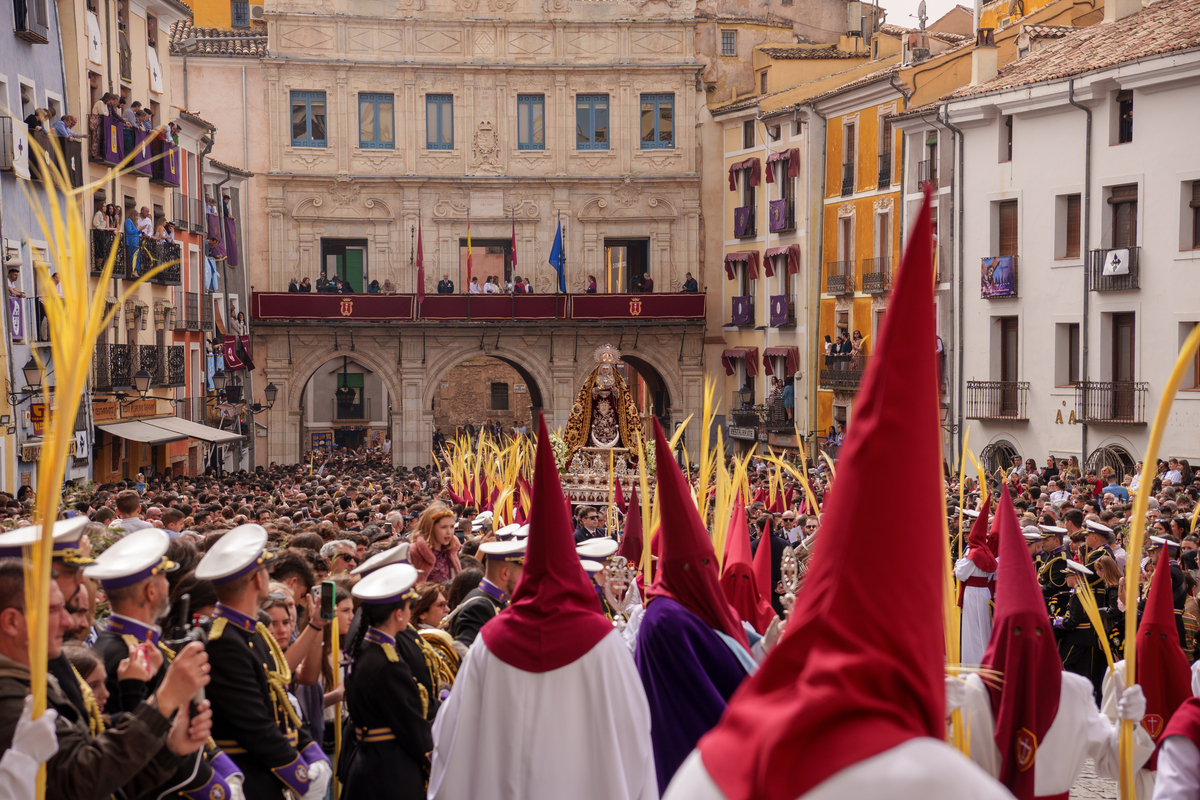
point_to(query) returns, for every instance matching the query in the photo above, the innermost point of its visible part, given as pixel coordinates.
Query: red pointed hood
(762, 578)
(1022, 651)
(846, 683)
(977, 543)
(619, 496)
(738, 580)
(993, 535)
(687, 566)
(553, 619)
(631, 542)
(1162, 668)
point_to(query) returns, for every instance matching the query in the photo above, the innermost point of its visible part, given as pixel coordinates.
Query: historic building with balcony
(32, 79)
(1081, 236)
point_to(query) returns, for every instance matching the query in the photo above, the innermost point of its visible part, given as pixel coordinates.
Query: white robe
(976, 614)
(1143, 779)
(919, 769)
(1178, 770)
(579, 731)
(1078, 732)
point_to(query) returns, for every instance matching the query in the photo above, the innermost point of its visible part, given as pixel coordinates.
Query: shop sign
(104, 412)
(32, 453)
(749, 434)
(783, 440)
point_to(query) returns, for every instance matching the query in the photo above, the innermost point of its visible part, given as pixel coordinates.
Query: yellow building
(239, 15)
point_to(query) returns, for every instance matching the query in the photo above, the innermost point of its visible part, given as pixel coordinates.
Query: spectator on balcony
(173, 131)
(388, 286)
(133, 237)
(57, 284)
(305, 286)
(635, 283)
(373, 287)
(293, 285)
(114, 216)
(789, 399)
(131, 124)
(344, 286)
(647, 284)
(322, 282)
(473, 286)
(62, 129)
(14, 282)
(214, 253)
(445, 285)
(518, 287)
(100, 219)
(240, 328)
(226, 209)
(591, 285)
(210, 205)
(38, 121)
(856, 345)
(528, 287)
(828, 351)
(101, 106)
(690, 285)
(145, 222)
(489, 287)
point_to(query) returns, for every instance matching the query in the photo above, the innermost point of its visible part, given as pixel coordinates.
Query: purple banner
(743, 219)
(743, 311)
(166, 166)
(16, 318)
(779, 310)
(214, 226)
(778, 215)
(998, 276)
(231, 241)
(114, 139)
(143, 153)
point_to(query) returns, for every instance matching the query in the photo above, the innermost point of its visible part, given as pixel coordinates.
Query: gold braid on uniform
(280, 677)
(90, 706)
(424, 698)
(439, 670)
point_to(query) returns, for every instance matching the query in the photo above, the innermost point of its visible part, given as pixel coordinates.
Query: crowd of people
(492, 284)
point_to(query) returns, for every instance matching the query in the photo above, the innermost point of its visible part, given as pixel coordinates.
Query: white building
(1068, 344)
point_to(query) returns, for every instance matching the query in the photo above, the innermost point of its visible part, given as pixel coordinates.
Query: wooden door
(1123, 366)
(1008, 365)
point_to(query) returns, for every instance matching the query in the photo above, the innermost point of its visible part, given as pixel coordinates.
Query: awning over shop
(140, 431)
(750, 354)
(791, 365)
(194, 430)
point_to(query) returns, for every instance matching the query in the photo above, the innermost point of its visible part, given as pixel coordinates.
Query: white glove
(771, 637)
(956, 695)
(36, 737)
(236, 792)
(319, 776)
(1132, 705)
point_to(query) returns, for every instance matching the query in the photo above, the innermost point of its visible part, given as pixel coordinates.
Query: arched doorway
(996, 455)
(485, 390)
(345, 403)
(650, 392)
(1111, 455)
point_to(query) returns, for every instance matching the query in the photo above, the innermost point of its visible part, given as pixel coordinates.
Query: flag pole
(412, 234)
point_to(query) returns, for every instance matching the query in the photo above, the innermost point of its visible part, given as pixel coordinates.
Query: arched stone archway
(539, 381)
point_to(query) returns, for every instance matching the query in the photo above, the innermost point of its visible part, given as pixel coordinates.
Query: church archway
(485, 390)
(345, 402)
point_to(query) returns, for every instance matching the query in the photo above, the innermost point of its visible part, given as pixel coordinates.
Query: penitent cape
(850, 703)
(547, 704)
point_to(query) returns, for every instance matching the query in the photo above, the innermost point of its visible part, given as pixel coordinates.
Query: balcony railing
(102, 244)
(106, 139)
(847, 179)
(164, 362)
(352, 411)
(782, 215)
(743, 410)
(206, 314)
(1113, 402)
(199, 219)
(170, 253)
(744, 222)
(839, 277)
(1115, 270)
(180, 209)
(42, 167)
(876, 275)
(844, 372)
(1004, 400)
(927, 172)
(111, 365)
(743, 311)
(191, 308)
(783, 311)
(885, 170)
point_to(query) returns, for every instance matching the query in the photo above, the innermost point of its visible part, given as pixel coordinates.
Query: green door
(353, 269)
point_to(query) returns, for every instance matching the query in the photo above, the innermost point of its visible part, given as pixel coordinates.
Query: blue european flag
(558, 259)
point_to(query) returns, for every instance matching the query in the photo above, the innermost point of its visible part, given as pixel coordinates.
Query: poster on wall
(999, 276)
(322, 440)
(376, 439)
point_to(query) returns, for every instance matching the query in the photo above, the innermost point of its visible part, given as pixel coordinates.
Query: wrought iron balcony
(876, 275)
(1115, 270)
(885, 170)
(843, 372)
(199, 219)
(1003, 400)
(181, 209)
(927, 172)
(111, 365)
(170, 253)
(839, 277)
(1111, 402)
(206, 314)
(44, 164)
(164, 362)
(102, 244)
(191, 307)
(106, 139)
(847, 179)
(742, 408)
(360, 410)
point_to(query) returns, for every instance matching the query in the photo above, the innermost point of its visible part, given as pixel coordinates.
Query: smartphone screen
(328, 593)
(387, 528)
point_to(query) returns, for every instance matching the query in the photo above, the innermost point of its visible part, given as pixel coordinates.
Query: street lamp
(33, 374)
(141, 382)
(220, 379)
(271, 393)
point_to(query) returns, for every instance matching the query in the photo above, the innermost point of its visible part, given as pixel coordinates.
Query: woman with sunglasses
(429, 613)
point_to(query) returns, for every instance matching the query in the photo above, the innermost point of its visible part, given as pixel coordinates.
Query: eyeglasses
(592, 516)
(810, 527)
(280, 596)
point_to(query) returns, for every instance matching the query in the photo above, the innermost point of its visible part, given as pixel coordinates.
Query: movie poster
(999, 276)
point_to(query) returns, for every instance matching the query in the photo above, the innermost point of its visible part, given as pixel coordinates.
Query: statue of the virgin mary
(604, 414)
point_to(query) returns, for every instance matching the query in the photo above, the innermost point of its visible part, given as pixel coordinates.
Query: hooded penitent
(631, 542)
(738, 580)
(553, 618)
(1025, 685)
(1162, 668)
(847, 683)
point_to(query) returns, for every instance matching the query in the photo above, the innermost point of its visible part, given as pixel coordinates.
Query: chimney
(985, 57)
(1120, 9)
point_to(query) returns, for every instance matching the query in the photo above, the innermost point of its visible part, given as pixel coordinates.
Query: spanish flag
(468, 249)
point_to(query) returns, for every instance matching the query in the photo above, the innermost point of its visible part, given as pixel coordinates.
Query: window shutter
(1073, 210)
(1008, 228)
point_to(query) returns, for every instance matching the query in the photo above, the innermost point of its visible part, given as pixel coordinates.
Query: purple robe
(689, 674)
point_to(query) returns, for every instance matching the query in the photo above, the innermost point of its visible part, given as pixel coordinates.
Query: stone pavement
(1091, 786)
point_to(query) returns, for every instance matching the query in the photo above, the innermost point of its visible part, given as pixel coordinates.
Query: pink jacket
(421, 556)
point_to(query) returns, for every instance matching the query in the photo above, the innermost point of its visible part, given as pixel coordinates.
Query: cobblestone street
(1090, 785)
